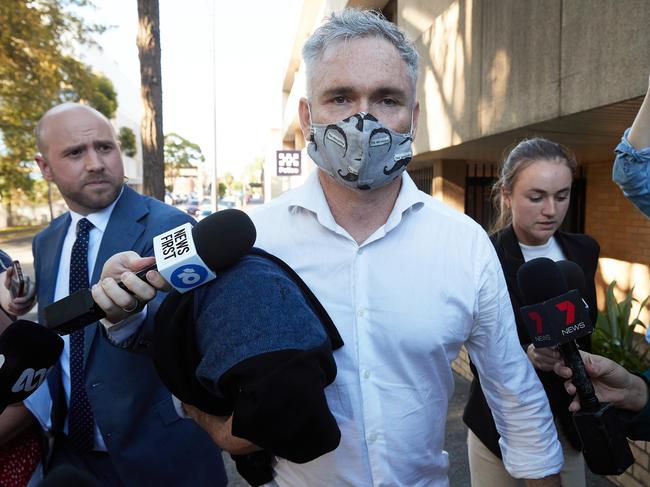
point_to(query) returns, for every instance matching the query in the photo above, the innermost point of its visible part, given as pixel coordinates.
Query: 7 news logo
(567, 307)
(569, 311)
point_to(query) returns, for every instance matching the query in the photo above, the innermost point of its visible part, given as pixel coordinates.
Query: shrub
(614, 336)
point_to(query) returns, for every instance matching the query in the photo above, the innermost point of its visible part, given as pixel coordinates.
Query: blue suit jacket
(148, 443)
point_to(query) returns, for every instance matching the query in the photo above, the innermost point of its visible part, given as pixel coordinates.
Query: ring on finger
(133, 307)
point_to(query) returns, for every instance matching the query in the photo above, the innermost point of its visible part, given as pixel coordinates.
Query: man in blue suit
(106, 409)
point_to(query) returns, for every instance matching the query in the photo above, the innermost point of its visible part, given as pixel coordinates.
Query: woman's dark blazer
(581, 249)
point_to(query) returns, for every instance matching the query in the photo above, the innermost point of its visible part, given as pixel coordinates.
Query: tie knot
(84, 226)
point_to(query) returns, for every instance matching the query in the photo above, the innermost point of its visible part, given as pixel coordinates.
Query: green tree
(127, 141)
(179, 153)
(36, 72)
(103, 96)
(253, 171)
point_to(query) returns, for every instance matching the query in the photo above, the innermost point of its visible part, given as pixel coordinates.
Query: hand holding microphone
(120, 291)
(612, 382)
(186, 257)
(17, 294)
(555, 316)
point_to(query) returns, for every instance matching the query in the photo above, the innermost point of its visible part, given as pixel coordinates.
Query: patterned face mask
(359, 151)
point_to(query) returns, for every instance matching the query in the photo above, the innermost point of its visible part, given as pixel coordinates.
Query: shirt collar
(310, 197)
(409, 198)
(100, 218)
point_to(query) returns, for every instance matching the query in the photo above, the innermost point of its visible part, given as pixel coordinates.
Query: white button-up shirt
(405, 301)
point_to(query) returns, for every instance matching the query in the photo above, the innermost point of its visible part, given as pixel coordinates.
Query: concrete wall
(495, 65)
(449, 183)
(605, 52)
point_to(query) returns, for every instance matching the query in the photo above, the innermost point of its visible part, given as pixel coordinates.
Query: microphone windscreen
(27, 351)
(573, 275)
(67, 476)
(222, 238)
(540, 279)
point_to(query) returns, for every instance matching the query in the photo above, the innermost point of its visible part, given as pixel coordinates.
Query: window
(478, 188)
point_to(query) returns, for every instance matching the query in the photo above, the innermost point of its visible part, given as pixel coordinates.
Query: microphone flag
(541, 320)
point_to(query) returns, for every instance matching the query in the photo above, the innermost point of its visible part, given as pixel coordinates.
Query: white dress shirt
(405, 301)
(40, 403)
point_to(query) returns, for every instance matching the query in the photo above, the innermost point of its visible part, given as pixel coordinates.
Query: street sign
(288, 162)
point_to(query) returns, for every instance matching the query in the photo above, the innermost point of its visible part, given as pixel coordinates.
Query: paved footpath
(456, 441)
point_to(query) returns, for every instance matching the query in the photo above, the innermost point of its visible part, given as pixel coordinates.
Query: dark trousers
(96, 463)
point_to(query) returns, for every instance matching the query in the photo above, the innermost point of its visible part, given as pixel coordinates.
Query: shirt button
(372, 437)
(360, 251)
(360, 312)
(366, 374)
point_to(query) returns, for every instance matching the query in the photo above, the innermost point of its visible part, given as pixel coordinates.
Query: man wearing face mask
(406, 280)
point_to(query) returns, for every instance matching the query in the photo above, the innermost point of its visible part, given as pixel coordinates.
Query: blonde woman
(532, 197)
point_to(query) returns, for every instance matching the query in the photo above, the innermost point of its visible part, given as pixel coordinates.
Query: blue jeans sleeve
(632, 173)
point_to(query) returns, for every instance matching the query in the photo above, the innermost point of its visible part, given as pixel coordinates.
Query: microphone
(186, 256)
(575, 279)
(573, 275)
(27, 352)
(556, 316)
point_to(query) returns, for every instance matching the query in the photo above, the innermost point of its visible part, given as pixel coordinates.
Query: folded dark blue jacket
(257, 344)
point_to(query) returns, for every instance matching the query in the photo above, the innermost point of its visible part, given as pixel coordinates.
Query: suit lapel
(50, 265)
(121, 234)
(48, 270)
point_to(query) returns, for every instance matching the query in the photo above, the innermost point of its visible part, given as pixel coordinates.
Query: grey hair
(352, 23)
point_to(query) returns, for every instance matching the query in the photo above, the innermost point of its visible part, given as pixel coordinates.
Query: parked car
(255, 200)
(193, 210)
(227, 202)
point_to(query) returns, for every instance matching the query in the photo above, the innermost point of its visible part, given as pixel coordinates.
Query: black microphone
(186, 256)
(555, 316)
(575, 279)
(573, 275)
(27, 352)
(541, 282)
